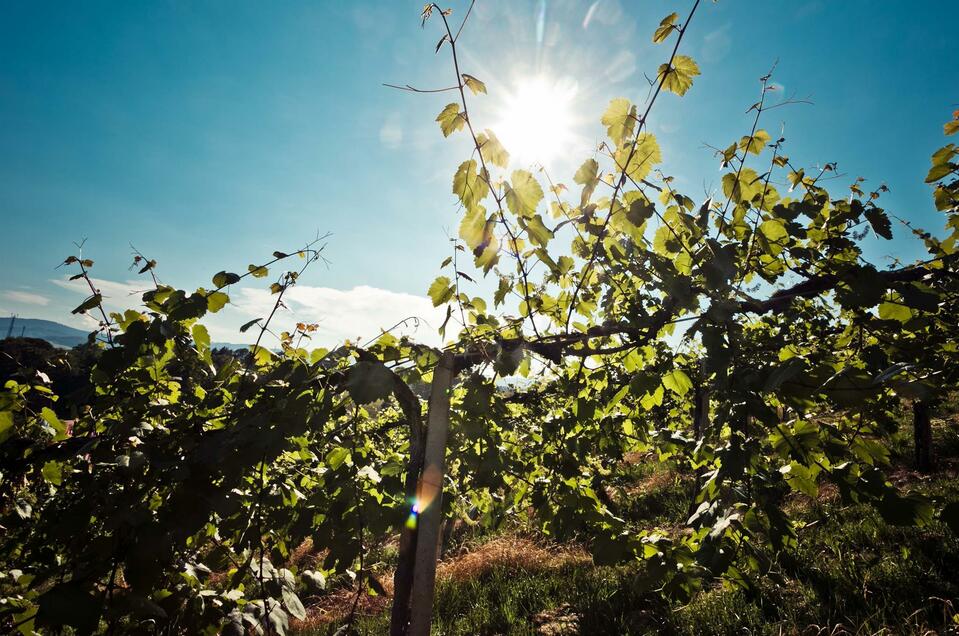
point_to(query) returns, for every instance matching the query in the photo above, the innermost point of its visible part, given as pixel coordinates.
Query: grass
(851, 573)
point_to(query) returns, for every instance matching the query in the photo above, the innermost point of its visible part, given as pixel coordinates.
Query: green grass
(851, 573)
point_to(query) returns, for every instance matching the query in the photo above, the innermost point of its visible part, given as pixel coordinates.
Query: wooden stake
(430, 498)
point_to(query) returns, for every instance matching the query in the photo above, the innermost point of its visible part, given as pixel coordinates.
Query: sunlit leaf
(678, 78)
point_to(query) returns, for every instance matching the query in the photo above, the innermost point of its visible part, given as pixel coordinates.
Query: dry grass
(517, 553)
(512, 552)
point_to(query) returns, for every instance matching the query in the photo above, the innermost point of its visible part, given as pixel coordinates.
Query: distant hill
(64, 336)
(52, 332)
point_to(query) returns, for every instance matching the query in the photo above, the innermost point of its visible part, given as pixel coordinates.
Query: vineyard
(672, 415)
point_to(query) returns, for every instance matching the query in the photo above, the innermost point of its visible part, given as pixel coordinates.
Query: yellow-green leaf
(450, 119)
(51, 418)
(678, 77)
(538, 233)
(52, 473)
(618, 119)
(469, 185)
(666, 26)
(493, 151)
(756, 143)
(6, 425)
(474, 84)
(895, 311)
(523, 193)
(440, 291)
(473, 226)
(773, 230)
(258, 271)
(678, 382)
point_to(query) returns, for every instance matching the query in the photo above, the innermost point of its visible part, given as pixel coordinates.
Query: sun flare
(536, 120)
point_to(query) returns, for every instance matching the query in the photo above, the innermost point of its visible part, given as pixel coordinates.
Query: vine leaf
(618, 119)
(474, 84)
(523, 194)
(451, 119)
(493, 151)
(473, 227)
(222, 279)
(879, 222)
(88, 304)
(441, 291)
(667, 26)
(369, 381)
(469, 185)
(678, 382)
(756, 143)
(678, 78)
(6, 425)
(249, 324)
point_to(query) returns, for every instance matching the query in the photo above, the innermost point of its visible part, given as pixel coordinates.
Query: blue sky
(209, 134)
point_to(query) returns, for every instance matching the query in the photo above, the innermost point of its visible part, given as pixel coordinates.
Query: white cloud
(26, 298)
(391, 133)
(117, 295)
(716, 44)
(356, 314)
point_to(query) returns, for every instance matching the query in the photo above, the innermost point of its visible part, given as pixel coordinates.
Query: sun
(536, 120)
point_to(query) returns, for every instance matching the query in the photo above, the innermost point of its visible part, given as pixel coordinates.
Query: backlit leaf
(523, 193)
(450, 119)
(678, 78)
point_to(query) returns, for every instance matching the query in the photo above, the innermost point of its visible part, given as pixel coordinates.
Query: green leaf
(247, 325)
(493, 151)
(523, 193)
(258, 271)
(895, 311)
(216, 301)
(619, 119)
(222, 279)
(469, 185)
(538, 233)
(51, 418)
(52, 473)
(773, 230)
(644, 156)
(910, 510)
(502, 290)
(756, 143)
(201, 336)
(336, 457)
(678, 382)
(640, 211)
(938, 172)
(879, 222)
(587, 173)
(441, 291)
(473, 227)
(450, 119)
(6, 425)
(369, 381)
(474, 84)
(678, 78)
(666, 26)
(88, 304)
(800, 478)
